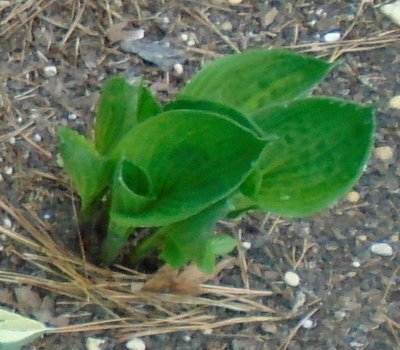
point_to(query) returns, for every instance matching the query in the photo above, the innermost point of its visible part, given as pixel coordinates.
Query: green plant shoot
(243, 134)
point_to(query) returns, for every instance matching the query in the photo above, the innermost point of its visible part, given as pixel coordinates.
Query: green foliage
(16, 330)
(242, 135)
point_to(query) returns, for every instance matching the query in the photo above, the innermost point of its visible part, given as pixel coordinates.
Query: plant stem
(115, 240)
(145, 247)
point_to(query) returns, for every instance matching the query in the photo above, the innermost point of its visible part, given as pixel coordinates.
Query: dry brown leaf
(28, 301)
(269, 17)
(184, 281)
(117, 33)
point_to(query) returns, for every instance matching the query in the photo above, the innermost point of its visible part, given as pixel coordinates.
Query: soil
(348, 297)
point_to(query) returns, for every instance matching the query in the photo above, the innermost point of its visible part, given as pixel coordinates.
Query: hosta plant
(243, 134)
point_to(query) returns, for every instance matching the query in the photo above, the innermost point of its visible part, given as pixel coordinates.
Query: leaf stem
(145, 247)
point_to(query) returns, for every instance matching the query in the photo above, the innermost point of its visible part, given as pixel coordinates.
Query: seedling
(243, 134)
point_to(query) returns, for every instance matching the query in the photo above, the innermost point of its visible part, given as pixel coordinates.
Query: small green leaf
(193, 239)
(217, 108)
(323, 145)
(117, 112)
(16, 331)
(90, 172)
(256, 78)
(193, 159)
(148, 105)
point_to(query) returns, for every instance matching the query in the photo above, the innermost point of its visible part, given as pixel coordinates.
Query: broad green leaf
(117, 112)
(217, 108)
(256, 78)
(90, 172)
(323, 145)
(148, 105)
(193, 160)
(193, 239)
(16, 330)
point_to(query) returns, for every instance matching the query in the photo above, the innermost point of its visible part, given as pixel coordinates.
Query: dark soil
(354, 294)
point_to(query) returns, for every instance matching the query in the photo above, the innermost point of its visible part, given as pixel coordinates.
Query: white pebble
(72, 116)
(37, 137)
(353, 197)
(178, 68)
(382, 249)
(135, 344)
(384, 153)
(184, 37)
(207, 331)
(12, 140)
(395, 102)
(19, 119)
(187, 338)
(46, 216)
(50, 71)
(356, 263)
(235, 2)
(292, 279)
(166, 20)
(8, 170)
(246, 245)
(227, 26)
(307, 323)
(191, 42)
(332, 36)
(392, 11)
(94, 343)
(7, 223)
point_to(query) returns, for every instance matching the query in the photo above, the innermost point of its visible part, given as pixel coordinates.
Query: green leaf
(117, 112)
(16, 331)
(193, 160)
(193, 239)
(217, 108)
(323, 145)
(90, 172)
(148, 105)
(256, 78)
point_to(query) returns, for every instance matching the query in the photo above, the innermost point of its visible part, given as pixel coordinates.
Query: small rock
(395, 102)
(12, 140)
(7, 223)
(392, 11)
(356, 263)
(207, 331)
(184, 37)
(227, 26)
(292, 279)
(8, 170)
(353, 197)
(235, 2)
(382, 249)
(384, 153)
(187, 338)
(50, 71)
(307, 323)
(135, 344)
(246, 245)
(178, 68)
(269, 327)
(332, 36)
(37, 137)
(94, 343)
(72, 116)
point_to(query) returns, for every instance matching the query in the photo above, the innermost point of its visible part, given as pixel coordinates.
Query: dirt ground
(54, 57)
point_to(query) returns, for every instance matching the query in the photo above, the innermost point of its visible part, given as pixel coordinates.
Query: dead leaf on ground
(269, 17)
(117, 33)
(184, 281)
